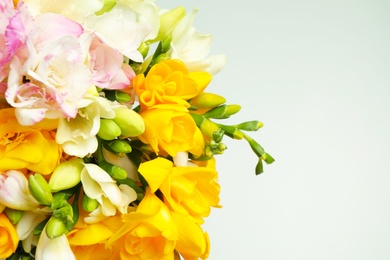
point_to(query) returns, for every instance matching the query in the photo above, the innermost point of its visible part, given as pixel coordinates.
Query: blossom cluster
(107, 133)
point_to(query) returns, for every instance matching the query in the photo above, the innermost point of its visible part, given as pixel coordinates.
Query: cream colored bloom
(78, 136)
(25, 228)
(56, 248)
(14, 191)
(99, 185)
(193, 47)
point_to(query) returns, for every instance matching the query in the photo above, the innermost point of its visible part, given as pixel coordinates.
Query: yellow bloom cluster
(107, 134)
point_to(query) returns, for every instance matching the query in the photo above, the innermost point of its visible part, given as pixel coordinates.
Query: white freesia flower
(14, 191)
(121, 29)
(99, 185)
(193, 47)
(78, 136)
(146, 10)
(76, 10)
(25, 228)
(48, 74)
(56, 248)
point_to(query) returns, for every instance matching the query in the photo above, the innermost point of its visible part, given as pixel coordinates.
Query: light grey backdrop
(316, 73)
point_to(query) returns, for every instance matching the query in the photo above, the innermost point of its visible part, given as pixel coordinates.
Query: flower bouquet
(107, 132)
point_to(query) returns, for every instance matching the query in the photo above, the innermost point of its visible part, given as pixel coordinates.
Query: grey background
(316, 73)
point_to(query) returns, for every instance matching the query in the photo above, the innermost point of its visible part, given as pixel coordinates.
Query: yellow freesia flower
(169, 82)
(87, 240)
(8, 237)
(193, 242)
(147, 233)
(170, 128)
(187, 190)
(31, 147)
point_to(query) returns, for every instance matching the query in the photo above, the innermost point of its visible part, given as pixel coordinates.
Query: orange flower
(169, 82)
(8, 237)
(171, 128)
(187, 190)
(31, 147)
(148, 233)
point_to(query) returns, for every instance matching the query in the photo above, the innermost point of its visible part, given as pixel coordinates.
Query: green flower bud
(66, 175)
(259, 167)
(89, 204)
(119, 146)
(109, 130)
(161, 57)
(207, 100)
(166, 44)
(65, 213)
(13, 215)
(40, 189)
(116, 95)
(114, 171)
(129, 121)
(223, 111)
(55, 228)
(233, 132)
(250, 125)
(144, 49)
(168, 22)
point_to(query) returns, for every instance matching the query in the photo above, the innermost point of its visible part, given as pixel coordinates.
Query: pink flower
(48, 75)
(108, 69)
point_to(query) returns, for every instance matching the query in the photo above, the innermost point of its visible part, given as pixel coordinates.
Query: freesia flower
(25, 228)
(187, 190)
(31, 147)
(88, 239)
(193, 242)
(108, 69)
(8, 237)
(55, 248)
(148, 233)
(78, 136)
(169, 82)
(193, 47)
(170, 129)
(48, 75)
(6, 13)
(14, 191)
(100, 186)
(120, 21)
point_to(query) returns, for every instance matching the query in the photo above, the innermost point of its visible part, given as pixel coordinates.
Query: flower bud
(114, 171)
(233, 132)
(207, 100)
(55, 228)
(66, 175)
(129, 121)
(116, 95)
(13, 215)
(169, 20)
(223, 111)
(40, 189)
(108, 130)
(14, 191)
(119, 146)
(144, 49)
(89, 204)
(250, 125)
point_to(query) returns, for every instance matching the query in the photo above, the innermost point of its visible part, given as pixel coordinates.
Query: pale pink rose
(108, 69)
